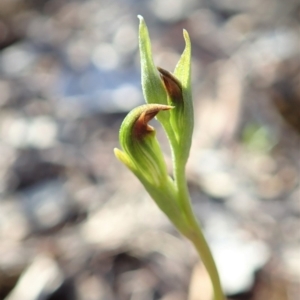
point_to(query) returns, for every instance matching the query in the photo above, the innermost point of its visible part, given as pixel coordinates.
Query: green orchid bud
(141, 150)
(143, 156)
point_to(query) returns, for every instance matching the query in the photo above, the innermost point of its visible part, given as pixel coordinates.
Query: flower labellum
(172, 85)
(141, 126)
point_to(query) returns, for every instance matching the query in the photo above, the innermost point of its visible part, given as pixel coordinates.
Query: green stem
(196, 235)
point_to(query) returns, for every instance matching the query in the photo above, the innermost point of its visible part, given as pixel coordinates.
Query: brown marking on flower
(141, 126)
(172, 85)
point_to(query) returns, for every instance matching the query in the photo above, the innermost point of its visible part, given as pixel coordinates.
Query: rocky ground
(74, 223)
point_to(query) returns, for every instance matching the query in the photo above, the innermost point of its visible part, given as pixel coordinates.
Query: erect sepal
(183, 74)
(178, 88)
(141, 150)
(153, 88)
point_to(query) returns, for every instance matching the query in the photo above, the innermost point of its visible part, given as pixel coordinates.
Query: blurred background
(74, 223)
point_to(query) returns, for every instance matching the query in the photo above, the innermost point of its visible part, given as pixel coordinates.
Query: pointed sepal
(152, 85)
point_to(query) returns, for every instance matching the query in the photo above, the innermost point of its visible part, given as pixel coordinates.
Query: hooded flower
(141, 150)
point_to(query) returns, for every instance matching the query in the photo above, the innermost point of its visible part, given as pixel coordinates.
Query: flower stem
(196, 235)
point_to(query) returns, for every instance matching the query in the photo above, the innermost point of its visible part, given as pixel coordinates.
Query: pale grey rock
(46, 205)
(238, 256)
(13, 224)
(38, 281)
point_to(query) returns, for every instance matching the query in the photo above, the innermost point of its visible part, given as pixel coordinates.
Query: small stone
(39, 132)
(17, 58)
(13, 224)
(238, 256)
(38, 281)
(218, 185)
(42, 132)
(46, 205)
(291, 259)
